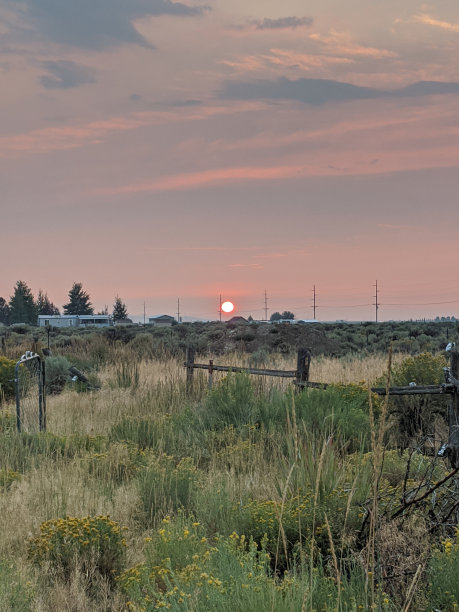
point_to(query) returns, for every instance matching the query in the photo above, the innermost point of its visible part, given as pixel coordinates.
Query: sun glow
(227, 306)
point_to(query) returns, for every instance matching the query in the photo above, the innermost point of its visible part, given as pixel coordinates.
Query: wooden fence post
(190, 352)
(211, 369)
(453, 414)
(302, 366)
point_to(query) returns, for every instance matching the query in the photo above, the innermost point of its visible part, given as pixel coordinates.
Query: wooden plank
(313, 385)
(418, 390)
(257, 371)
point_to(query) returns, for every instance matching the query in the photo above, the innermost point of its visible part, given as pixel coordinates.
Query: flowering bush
(231, 573)
(443, 571)
(94, 545)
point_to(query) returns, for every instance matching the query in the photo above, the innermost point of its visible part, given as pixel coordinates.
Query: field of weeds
(249, 496)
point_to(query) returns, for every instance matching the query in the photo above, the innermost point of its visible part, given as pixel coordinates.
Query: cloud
(340, 43)
(65, 75)
(444, 25)
(309, 91)
(97, 24)
(283, 23)
(62, 138)
(321, 91)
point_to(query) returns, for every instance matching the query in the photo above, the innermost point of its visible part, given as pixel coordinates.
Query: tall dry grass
(235, 466)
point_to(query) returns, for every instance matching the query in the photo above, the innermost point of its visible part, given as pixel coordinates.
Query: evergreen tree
(79, 303)
(22, 305)
(4, 311)
(120, 312)
(44, 305)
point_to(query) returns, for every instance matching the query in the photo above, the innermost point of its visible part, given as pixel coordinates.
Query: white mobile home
(74, 320)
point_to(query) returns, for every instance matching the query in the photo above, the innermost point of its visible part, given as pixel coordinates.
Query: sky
(161, 150)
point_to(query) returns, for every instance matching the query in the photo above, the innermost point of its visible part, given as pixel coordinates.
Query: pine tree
(44, 305)
(22, 305)
(4, 311)
(120, 312)
(79, 301)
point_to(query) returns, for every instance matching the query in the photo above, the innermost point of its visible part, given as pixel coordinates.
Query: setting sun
(227, 306)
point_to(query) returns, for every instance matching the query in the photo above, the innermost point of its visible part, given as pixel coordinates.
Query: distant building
(161, 320)
(74, 320)
(237, 320)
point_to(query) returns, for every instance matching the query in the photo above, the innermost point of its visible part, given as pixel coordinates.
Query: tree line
(23, 307)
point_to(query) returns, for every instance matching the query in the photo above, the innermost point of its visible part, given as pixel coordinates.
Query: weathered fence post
(453, 414)
(189, 363)
(211, 369)
(302, 366)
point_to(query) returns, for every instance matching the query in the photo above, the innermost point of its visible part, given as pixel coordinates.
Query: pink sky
(164, 150)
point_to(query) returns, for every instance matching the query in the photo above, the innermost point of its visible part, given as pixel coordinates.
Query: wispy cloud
(321, 91)
(282, 23)
(62, 138)
(288, 59)
(65, 75)
(252, 266)
(341, 43)
(193, 180)
(436, 23)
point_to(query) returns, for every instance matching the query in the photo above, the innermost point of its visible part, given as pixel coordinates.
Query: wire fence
(30, 399)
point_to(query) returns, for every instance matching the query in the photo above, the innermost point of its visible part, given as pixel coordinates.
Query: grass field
(249, 497)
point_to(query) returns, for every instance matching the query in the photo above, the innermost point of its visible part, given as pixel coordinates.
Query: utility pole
(314, 301)
(376, 304)
(144, 314)
(266, 306)
(178, 310)
(220, 308)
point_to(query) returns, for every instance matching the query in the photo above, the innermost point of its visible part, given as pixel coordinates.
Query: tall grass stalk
(313, 528)
(377, 443)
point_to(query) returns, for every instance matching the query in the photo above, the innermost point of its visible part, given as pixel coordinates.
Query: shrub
(442, 573)
(231, 402)
(423, 369)
(92, 545)
(233, 573)
(56, 374)
(142, 346)
(7, 372)
(7, 477)
(118, 464)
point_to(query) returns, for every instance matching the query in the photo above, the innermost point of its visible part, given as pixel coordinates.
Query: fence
(30, 397)
(301, 374)
(301, 380)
